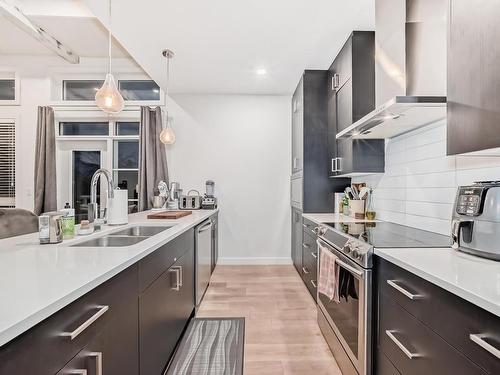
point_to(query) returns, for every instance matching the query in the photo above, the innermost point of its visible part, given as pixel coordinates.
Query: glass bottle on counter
(370, 207)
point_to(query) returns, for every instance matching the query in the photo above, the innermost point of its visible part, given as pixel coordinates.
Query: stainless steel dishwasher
(203, 258)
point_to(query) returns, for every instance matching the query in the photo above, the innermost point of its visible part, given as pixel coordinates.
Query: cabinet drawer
(47, 347)
(160, 260)
(310, 282)
(384, 366)
(415, 349)
(309, 241)
(309, 226)
(450, 316)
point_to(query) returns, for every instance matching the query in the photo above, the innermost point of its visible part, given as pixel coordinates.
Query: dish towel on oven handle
(328, 283)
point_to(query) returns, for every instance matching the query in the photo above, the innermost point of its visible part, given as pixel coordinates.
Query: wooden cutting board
(169, 214)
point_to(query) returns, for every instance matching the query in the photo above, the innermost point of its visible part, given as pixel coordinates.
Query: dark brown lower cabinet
(424, 329)
(107, 314)
(128, 325)
(164, 311)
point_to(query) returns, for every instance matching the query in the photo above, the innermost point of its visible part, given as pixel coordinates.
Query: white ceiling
(219, 44)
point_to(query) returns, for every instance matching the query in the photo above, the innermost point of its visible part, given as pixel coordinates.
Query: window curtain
(45, 162)
(152, 156)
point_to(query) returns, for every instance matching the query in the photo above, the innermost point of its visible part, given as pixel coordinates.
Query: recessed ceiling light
(261, 72)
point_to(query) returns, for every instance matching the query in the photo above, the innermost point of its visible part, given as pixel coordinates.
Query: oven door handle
(340, 262)
(348, 267)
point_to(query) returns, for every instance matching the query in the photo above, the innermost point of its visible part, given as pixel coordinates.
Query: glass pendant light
(167, 135)
(108, 97)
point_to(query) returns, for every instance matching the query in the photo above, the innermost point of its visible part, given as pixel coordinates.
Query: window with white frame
(9, 88)
(87, 145)
(131, 89)
(7, 163)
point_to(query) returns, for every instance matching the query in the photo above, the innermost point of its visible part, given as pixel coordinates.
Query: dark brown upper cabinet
(473, 114)
(350, 96)
(310, 145)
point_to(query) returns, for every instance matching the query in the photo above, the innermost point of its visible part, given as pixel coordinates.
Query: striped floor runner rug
(210, 346)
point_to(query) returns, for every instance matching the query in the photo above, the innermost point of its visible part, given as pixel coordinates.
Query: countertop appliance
(190, 201)
(476, 219)
(347, 326)
(203, 258)
(209, 202)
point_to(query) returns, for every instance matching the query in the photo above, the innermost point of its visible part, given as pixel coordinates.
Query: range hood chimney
(410, 70)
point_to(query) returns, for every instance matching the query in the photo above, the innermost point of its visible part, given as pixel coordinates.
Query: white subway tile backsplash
(426, 209)
(390, 205)
(428, 223)
(419, 185)
(431, 165)
(469, 176)
(430, 180)
(431, 195)
(430, 134)
(428, 151)
(475, 162)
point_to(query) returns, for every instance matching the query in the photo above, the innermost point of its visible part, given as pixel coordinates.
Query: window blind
(7, 164)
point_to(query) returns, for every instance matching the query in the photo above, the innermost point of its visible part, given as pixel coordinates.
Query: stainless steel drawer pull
(479, 340)
(314, 255)
(305, 246)
(87, 323)
(98, 362)
(401, 290)
(304, 269)
(77, 372)
(306, 226)
(177, 272)
(400, 345)
(314, 284)
(180, 276)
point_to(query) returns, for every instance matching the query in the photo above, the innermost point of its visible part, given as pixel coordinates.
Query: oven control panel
(469, 200)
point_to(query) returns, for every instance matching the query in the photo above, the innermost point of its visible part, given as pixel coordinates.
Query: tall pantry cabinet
(312, 191)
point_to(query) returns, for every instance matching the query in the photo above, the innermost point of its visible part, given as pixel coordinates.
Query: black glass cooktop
(385, 234)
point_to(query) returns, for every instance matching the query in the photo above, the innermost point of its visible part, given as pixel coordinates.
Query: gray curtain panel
(45, 162)
(152, 156)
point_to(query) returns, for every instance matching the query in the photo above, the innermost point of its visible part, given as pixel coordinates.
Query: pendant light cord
(166, 90)
(109, 38)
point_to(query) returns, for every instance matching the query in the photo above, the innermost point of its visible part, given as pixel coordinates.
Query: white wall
(419, 184)
(242, 142)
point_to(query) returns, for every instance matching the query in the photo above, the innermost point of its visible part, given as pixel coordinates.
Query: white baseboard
(254, 261)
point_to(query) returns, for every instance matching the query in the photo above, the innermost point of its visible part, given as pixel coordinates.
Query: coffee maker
(209, 202)
(475, 227)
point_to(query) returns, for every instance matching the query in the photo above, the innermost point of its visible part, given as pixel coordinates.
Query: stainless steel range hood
(398, 116)
(410, 69)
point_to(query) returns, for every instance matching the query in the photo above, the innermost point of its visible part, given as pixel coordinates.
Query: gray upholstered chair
(16, 222)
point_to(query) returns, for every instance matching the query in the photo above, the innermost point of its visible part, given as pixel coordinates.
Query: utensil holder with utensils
(357, 208)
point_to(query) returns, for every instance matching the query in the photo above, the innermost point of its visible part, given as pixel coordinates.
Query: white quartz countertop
(475, 279)
(333, 218)
(38, 280)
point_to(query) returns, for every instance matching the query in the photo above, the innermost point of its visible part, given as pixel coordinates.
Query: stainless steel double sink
(124, 237)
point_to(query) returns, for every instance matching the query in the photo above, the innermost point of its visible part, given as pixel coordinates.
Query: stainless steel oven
(346, 325)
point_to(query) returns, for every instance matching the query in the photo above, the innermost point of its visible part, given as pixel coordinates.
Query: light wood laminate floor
(281, 333)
